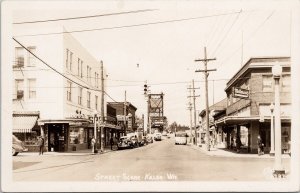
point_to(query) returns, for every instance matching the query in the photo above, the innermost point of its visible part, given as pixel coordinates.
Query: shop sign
(240, 93)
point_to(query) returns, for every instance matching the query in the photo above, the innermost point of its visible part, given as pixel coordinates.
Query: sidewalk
(222, 152)
(69, 153)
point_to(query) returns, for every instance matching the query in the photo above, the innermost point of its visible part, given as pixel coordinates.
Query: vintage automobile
(149, 139)
(157, 136)
(17, 146)
(181, 138)
(124, 143)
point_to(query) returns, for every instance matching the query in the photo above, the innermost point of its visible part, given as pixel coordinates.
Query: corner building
(250, 93)
(62, 101)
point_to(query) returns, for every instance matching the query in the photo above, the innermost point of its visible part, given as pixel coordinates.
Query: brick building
(250, 93)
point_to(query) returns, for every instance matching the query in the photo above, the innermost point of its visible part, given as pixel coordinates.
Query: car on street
(181, 138)
(157, 136)
(17, 146)
(149, 139)
(124, 143)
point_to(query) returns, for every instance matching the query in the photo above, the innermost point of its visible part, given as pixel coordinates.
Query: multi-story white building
(56, 95)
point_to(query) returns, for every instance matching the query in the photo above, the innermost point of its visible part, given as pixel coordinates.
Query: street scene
(121, 91)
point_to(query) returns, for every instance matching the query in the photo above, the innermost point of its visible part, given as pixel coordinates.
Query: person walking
(111, 140)
(93, 142)
(41, 145)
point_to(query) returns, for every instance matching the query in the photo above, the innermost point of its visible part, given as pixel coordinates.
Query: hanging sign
(240, 93)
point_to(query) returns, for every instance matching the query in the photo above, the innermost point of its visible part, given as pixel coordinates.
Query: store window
(267, 83)
(77, 136)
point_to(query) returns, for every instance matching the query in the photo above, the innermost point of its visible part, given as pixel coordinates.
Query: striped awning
(24, 123)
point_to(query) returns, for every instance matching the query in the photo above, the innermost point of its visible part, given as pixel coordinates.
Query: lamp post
(95, 131)
(278, 168)
(272, 151)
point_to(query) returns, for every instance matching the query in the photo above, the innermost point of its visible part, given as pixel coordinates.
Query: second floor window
(71, 60)
(31, 58)
(32, 88)
(67, 58)
(80, 96)
(87, 73)
(286, 82)
(19, 54)
(69, 90)
(19, 88)
(96, 102)
(81, 67)
(267, 83)
(88, 99)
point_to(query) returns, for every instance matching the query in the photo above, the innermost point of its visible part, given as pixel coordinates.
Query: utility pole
(102, 108)
(205, 60)
(125, 107)
(190, 109)
(195, 111)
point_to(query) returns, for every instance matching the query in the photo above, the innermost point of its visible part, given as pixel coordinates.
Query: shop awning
(24, 123)
(239, 120)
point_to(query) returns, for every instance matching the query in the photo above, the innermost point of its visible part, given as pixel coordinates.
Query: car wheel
(14, 153)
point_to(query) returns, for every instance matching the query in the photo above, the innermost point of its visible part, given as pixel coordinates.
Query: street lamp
(272, 151)
(278, 168)
(95, 131)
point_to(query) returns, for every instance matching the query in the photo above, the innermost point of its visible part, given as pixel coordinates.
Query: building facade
(250, 93)
(62, 87)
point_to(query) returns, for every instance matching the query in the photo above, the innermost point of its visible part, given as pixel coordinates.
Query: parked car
(134, 141)
(149, 139)
(157, 136)
(17, 146)
(124, 143)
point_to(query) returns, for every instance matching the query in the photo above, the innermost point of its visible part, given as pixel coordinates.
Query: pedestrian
(93, 142)
(260, 146)
(41, 145)
(111, 140)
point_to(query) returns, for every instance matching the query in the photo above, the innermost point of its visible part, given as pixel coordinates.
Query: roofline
(245, 68)
(130, 104)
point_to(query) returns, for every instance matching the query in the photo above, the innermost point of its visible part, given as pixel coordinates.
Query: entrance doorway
(57, 137)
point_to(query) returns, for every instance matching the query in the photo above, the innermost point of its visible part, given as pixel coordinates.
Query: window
(80, 96)
(88, 99)
(31, 88)
(81, 67)
(19, 60)
(96, 102)
(97, 80)
(69, 90)
(267, 83)
(31, 58)
(71, 60)
(286, 82)
(19, 88)
(87, 73)
(78, 67)
(67, 58)
(90, 73)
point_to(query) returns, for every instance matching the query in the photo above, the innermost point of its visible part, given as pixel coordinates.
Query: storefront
(25, 128)
(65, 135)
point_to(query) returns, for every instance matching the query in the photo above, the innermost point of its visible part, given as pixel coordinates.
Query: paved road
(155, 162)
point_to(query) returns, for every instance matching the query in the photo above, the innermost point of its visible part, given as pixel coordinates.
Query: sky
(232, 31)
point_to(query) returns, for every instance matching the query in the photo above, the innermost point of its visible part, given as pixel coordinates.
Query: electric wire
(84, 17)
(128, 26)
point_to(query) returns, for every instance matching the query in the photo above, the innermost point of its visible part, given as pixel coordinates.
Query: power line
(84, 17)
(226, 34)
(251, 36)
(129, 26)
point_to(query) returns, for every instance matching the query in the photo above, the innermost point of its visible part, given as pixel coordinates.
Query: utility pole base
(279, 173)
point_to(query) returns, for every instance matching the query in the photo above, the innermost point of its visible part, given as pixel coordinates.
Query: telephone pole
(190, 109)
(125, 107)
(195, 111)
(205, 60)
(102, 108)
